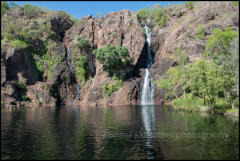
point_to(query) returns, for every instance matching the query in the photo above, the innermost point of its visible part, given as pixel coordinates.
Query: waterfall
(148, 86)
(75, 85)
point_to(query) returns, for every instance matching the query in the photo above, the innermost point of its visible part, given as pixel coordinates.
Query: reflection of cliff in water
(80, 133)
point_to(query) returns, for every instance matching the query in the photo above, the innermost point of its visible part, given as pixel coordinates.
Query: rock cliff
(54, 32)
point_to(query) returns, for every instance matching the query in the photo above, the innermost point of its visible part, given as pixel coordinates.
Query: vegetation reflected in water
(125, 132)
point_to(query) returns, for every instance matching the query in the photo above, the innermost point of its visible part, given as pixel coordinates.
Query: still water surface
(124, 132)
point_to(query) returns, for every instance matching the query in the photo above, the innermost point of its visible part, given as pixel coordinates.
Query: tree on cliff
(114, 59)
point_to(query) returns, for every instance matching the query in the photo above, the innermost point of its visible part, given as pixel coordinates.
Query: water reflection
(148, 117)
(81, 133)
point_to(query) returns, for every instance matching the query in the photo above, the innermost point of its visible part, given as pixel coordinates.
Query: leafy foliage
(156, 13)
(83, 44)
(189, 103)
(235, 3)
(208, 81)
(4, 7)
(219, 43)
(189, 5)
(46, 62)
(21, 90)
(175, 76)
(31, 11)
(108, 89)
(144, 13)
(180, 57)
(160, 17)
(203, 79)
(18, 44)
(223, 48)
(200, 32)
(81, 68)
(114, 59)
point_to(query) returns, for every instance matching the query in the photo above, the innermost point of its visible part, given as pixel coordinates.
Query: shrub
(235, 3)
(200, 32)
(83, 44)
(4, 7)
(189, 5)
(12, 30)
(220, 42)
(160, 17)
(144, 13)
(108, 89)
(20, 85)
(31, 11)
(21, 90)
(45, 63)
(82, 68)
(189, 103)
(180, 56)
(18, 44)
(156, 13)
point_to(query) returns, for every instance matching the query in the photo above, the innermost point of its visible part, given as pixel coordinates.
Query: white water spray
(148, 86)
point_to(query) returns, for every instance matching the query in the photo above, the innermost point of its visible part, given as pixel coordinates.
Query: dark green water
(124, 132)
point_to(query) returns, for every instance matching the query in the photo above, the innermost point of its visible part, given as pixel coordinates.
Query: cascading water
(148, 113)
(75, 85)
(148, 86)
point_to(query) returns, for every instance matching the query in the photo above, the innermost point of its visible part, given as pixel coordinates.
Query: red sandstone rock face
(116, 28)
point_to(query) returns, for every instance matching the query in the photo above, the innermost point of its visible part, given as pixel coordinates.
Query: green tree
(83, 44)
(4, 7)
(223, 48)
(114, 59)
(189, 5)
(235, 3)
(31, 11)
(160, 17)
(200, 32)
(204, 80)
(169, 82)
(144, 13)
(156, 12)
(180, 57)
